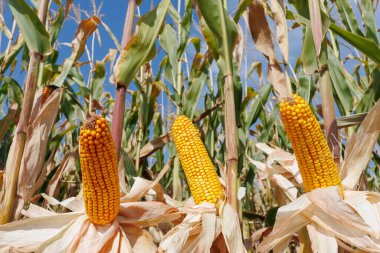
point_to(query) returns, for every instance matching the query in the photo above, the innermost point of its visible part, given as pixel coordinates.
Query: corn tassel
(99, 171)
(314, 158)
(200, 172)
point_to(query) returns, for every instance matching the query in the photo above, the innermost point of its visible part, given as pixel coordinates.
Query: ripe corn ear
(46, 92)
(313, 155)
(200, 172)
(99, 171)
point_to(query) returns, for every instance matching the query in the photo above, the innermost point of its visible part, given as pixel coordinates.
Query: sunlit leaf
(33, 31)
(142, 45)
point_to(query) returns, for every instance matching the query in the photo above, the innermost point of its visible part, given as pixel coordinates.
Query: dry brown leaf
(122, 177)
(141, 240)
(316, 25)
(36, 211)
(142, 186)
(238, 49)
(331, 216)
(261, 33)
(23, 235)
(262, 37)
(67, 164)
(85, 29)
(35, 149)
(231, 229)
(74, 204)
(154, 145)
(282, 29)
(6, 122)
(147, 213)
(322, 240)
(359, 148)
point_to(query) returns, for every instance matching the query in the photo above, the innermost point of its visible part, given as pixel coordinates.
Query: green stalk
(229, 119)
(17, 149)
(177, 187)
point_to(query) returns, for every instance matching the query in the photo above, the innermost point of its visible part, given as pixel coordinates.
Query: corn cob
(200, 172)
(46, 92)
(99, 171)
(314, 158)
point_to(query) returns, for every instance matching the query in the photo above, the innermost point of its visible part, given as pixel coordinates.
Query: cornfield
(189, 126)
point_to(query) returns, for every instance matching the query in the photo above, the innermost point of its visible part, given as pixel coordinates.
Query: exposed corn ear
(200, 172)
(46, 92)
(314, 158)
(99, 171)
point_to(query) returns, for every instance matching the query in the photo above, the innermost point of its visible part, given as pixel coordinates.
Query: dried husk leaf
(26, 235)
(6, 122)
(67, 164)
(262, 37)
(142, 186)
(331, 216)
(32, 163)
(74, 204)
(231, 229)
(147, 213)
(321, 240)
(359, 148)
(282, 30)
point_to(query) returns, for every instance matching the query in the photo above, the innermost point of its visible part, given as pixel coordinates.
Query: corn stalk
(19, 140)
(119, 107)
(230, 119)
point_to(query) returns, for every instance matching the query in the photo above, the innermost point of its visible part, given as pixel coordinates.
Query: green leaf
(98, 80)
(57, 25)
(258, 105)
(190, 103)
(348, 17)
(210, 13)
(369, 20)
(185, 27)
(35, 35)
(307, 87)
(371, 95)
(366, 46)
(168, 42)
(243, 5)
(340, 82)
(309, 57)
(140, 47)
(7, 59)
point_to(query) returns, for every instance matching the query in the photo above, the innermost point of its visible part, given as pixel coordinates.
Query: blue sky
(113, 14)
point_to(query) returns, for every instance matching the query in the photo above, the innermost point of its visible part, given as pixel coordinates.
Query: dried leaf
(67, 164)
(6, 122)
(154, 145)
(261, 33)
(231, 229)
(141, 240)
(322, 240)
(32, 163)
(142, 186)
(359, 148)
(316, 25)
(282, 30)
(147, 213)
(36, 211)
(28, 234)
(74, 204)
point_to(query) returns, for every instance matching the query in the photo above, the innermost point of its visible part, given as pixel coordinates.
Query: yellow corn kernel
(200, 172)
(46, 92)
(99, 171)
(314, 158)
